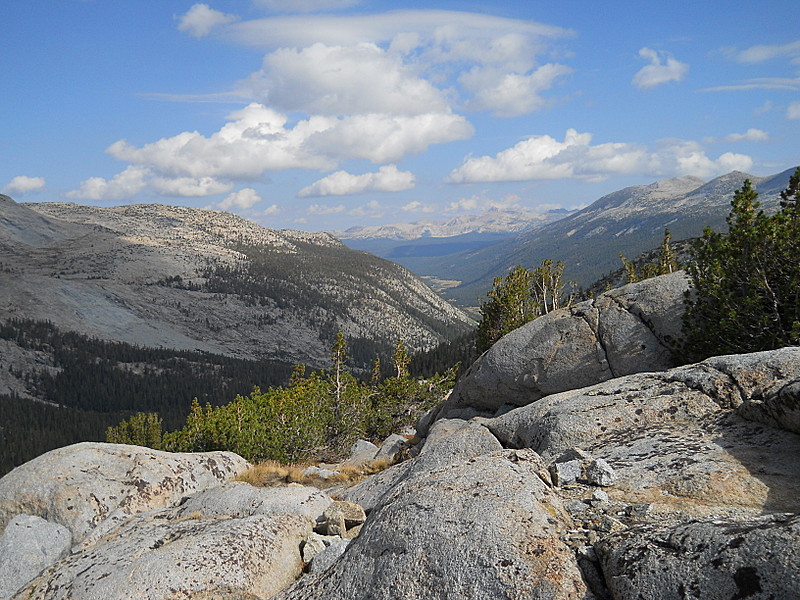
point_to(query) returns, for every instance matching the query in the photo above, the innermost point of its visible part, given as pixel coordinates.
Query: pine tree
(510, 305)
(745, 295)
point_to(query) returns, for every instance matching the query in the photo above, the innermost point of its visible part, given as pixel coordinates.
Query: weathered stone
(154, 557)
(361, 452)
(391, 447)
(240, 499)
(319, 472)
(340, 516)
(671, 444)
(709, 559)
(564, 473)
(481, 529)
(599, 472)
(762, 386)
(28, 546)
(624, 331)
(78, 486)
(328, 555)
(448, 441)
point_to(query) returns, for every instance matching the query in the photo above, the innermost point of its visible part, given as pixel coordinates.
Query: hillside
(191, 279)
(108, 311)
(631, 221)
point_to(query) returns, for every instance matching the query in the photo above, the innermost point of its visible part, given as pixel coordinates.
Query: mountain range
(629, 221)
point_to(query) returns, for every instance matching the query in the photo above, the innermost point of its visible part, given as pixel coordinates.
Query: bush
(746, 295)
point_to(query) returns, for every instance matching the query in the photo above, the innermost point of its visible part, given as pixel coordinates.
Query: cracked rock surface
(623, 331)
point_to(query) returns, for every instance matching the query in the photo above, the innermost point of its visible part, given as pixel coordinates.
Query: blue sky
(338, 112)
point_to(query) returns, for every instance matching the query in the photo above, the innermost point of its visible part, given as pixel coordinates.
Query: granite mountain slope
(191, 279)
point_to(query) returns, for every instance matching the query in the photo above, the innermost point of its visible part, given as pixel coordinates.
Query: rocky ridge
(140, 274)
(654, 481)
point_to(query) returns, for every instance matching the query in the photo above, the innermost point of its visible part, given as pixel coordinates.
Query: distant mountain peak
(493, 220)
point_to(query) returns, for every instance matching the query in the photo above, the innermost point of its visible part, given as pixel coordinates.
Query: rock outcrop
(79, 486)
(662, 483)
(625, 330)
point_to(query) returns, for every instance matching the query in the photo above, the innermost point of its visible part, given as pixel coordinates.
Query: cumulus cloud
(324, 209)
(511, 94)
(543, 157)
(200, 19)
(243, 199)
(341, 80)
(258, 139)
(405, 61)
(387, 179)
(188, 187)
(663, 68)
(793, 111)
(122, 186)
(22, 184)
(479, 203)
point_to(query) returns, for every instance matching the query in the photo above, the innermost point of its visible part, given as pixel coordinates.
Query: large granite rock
(79, 486)
(675, 439)
(710, 559)
(449, 441)
(626, 330)
(155, 557)
(27, 547)
(478, 529)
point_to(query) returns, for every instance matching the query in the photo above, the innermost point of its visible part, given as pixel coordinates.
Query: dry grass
(275, 474)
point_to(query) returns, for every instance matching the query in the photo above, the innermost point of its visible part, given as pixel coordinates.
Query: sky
(326, 114)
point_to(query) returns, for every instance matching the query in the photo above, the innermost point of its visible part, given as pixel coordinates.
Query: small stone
(577, 507)
(599, 497)
(600, 473)
(328, 556)
(566, 472)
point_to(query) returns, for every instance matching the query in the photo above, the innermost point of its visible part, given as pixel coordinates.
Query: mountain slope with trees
(630, 221)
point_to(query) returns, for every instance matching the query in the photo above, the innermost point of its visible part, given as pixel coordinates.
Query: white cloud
(243, 199)
(341, 80)
(382, 138)
(371, 209)
(511, 94)
(793, 111)
(306, 6)
(446, 34)
(22, 184)
(751, 135)
(543, 157)
(188, 187)
(401, 62)
(761, 53)
(122, 186)
(271, 210)
(387, 179)
(663, 68)
(257, 139)
(201, 19)
(417, 206)
(324, 209)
